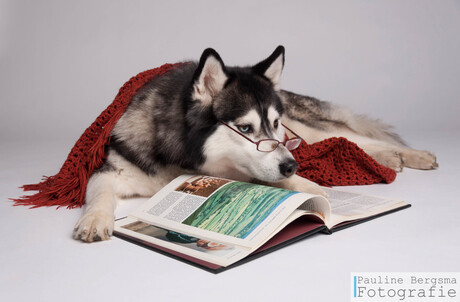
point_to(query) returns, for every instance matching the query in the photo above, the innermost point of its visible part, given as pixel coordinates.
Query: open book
(218, 223)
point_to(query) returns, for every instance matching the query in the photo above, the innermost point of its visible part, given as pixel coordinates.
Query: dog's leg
(385, 156)
(387, 153)
(117, 179)
(97, 221)
(394, 156)
(418, 159)
(300, 184)
(397, 157)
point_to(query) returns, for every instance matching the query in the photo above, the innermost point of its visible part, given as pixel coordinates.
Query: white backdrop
(62, 62)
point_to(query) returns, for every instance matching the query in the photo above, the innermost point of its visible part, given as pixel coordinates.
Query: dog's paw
(314, 189)
(417, 159)
(300, 184)
(94, 226)
(389, 158)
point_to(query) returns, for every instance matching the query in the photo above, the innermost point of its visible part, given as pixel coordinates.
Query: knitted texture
(338, 162)
(332, 162)
(68, 187)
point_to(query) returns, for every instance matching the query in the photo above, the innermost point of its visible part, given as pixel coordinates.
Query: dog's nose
(288, 167)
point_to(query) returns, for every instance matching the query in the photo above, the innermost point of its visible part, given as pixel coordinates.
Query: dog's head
(247, 109)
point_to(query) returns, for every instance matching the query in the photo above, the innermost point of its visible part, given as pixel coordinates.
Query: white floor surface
(41, 262)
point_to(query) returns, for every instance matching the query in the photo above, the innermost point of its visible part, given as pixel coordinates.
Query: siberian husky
(205, 117)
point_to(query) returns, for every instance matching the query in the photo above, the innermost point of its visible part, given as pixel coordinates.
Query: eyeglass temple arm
(291, 131)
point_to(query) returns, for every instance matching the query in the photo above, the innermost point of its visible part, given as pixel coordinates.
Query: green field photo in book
(217, 223)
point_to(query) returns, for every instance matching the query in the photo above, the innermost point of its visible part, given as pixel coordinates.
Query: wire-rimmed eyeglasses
(270, 144)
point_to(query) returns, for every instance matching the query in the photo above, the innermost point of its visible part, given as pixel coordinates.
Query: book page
(219, 253)
(347, 206)
(210, 251)
(226, 211)
(320, 207)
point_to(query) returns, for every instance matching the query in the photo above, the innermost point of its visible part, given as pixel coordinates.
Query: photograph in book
(190, 242)
(201, 185)
(237, 208)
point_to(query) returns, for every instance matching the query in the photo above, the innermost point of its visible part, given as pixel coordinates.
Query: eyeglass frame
(266, 139)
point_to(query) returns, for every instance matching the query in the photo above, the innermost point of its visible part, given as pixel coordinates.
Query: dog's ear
(272, 67)
(210, 77)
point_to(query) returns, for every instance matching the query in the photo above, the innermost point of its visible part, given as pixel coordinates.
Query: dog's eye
(275, 124)
(245, 128)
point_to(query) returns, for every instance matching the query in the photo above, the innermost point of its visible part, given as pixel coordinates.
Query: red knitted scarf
(333, 162)
(338, 162)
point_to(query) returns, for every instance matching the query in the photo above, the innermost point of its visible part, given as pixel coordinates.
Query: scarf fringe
(68, 187)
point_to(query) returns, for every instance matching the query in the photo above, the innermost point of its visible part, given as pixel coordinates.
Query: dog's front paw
(94, 226)
(417, 159)
(300, 184)
(307, 186)
(388, 158)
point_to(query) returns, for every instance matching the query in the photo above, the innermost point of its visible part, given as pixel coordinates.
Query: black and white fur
(172, 126)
